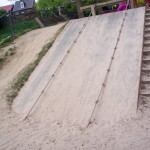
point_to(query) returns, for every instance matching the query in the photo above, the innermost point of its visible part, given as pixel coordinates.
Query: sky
(6, 2)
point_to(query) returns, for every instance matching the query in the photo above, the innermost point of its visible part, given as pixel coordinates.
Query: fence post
(93, 10)
(80, 12)
(132, 4)
(11, 26)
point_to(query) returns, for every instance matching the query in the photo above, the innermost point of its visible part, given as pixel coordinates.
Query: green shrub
(3, 20)
(2, 12)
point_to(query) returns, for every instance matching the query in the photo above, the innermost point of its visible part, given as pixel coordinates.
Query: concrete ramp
(91, 74)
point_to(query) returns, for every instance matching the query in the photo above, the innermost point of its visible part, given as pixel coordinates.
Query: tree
(54, 4)
(2, 19)
(88, 2)
(80, 13)
(2, 12)
(68, 5)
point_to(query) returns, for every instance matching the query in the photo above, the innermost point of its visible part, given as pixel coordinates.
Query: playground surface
(84, 93)
(70, 84)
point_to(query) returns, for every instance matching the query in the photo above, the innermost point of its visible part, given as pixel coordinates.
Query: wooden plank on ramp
(72, 95)
(120, 96)
(40, 77)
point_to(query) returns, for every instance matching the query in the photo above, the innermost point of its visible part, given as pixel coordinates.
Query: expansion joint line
(100, 96)
(60, 65)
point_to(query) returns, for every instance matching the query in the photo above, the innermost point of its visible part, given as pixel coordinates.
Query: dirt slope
(27, 47)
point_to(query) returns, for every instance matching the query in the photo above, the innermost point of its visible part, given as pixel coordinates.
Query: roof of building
(28, 4)
(7, 8)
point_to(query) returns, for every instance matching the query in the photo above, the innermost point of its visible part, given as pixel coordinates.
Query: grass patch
(20, 28)
(2, 60)
(24, 75)
(6, 56)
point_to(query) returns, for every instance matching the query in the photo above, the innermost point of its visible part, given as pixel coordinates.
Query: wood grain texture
(72, 95)
(40, 77)
(120, 96)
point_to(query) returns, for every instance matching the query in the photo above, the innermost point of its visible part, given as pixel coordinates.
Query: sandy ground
(27, 47)
(40, 133)
(56, 124)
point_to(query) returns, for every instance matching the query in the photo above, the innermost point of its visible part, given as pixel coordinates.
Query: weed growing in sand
(2, 60)
(24, 75)
(5, 57)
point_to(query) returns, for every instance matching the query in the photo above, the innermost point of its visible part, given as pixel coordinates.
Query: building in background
(7, 8)
(24, 9)
(24, 5)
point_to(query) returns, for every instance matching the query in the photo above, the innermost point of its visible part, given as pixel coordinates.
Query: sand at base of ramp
(27, 48)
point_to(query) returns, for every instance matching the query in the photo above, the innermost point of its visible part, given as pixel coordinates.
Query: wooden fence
(24, 15)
